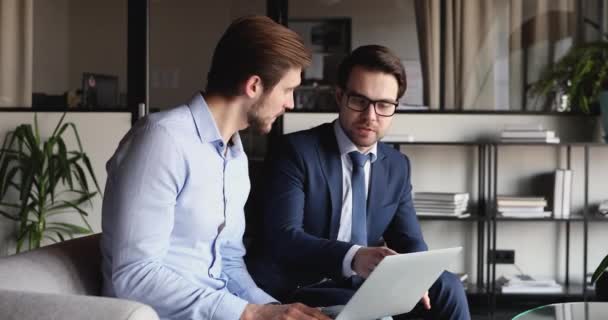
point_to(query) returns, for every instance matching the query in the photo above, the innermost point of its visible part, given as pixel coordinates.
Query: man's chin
(263, 128)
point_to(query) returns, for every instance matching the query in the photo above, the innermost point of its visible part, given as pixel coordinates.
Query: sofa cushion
(70, 267)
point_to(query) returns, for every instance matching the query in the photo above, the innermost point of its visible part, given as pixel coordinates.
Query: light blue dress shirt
(173, 218)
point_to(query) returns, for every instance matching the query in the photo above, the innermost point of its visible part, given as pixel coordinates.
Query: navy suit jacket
(301, 207)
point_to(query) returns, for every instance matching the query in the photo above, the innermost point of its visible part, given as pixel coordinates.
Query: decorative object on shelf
(603, 208)
(579, 79)
(600, 278)
(41, 180)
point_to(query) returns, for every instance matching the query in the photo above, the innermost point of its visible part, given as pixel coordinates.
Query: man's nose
(370, 112)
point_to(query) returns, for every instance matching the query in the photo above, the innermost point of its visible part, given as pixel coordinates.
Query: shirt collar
(207, 128)
(346, 145)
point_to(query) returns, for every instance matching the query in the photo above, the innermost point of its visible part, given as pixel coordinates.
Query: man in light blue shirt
(173, 208)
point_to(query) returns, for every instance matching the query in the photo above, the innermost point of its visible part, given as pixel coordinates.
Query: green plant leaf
(600, 270)
(36, 129)
(46, 236)
(58, 125)
(75, 229)
(40, 171)
(87, 162)
(73, 204)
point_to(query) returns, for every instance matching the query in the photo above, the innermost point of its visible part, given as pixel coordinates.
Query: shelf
(561, 144)
(449, 218)
(437, 143)
(573, 291)
(572, 219)
(467, 112)
(62, 109)
(540, 219)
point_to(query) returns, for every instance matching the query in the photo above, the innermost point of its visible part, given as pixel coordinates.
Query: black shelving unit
(571, 292)
(477, 293)
(487, 219)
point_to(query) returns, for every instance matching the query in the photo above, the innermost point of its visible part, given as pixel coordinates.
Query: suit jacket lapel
(331, 164)
(378, 181)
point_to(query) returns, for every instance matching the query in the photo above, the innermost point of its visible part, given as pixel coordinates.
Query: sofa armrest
(24, 305)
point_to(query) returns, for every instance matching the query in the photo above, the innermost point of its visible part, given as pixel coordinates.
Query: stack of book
(528, 134)
(525, 284)
(442, 204)
(523, 207)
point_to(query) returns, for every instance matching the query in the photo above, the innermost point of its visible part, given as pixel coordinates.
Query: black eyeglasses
(360, 103)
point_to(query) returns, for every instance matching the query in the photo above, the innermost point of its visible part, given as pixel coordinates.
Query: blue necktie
(359, 212)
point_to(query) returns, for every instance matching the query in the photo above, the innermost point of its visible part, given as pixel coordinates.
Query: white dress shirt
(345, 145)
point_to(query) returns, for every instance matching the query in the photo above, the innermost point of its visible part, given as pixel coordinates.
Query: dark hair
(254, 45)
(374, 58)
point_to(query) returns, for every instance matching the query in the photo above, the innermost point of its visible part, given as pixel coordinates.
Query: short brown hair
(254, 45)
(374, 58)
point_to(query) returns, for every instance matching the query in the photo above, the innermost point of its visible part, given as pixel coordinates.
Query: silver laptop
(396, 285)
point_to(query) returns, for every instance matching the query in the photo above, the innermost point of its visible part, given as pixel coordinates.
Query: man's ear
(253, 87)
(338, 95)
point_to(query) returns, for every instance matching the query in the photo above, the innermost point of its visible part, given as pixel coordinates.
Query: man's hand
(366, 259)
(426, 301)
(296, 311)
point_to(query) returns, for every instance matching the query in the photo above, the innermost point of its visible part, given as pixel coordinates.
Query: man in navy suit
(337, 201)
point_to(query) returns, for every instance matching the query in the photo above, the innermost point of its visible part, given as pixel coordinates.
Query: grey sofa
(62, 281)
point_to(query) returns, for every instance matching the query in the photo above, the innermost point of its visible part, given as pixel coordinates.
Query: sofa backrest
(70, 267)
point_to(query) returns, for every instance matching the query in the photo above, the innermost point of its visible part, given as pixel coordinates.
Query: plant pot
(603, 97)
(601, 287)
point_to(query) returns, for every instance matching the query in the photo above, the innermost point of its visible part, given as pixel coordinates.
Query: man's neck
(228, 115)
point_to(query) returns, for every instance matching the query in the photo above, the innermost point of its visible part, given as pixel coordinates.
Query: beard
(259, 123)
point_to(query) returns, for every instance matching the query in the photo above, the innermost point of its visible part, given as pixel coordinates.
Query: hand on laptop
(296, 311)
(426, 301)
(366, 259)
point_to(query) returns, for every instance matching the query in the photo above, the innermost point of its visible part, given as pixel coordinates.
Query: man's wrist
(348, 262)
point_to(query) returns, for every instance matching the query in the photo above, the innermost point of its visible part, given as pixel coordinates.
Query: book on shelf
(441, 204)
(542, 214)
(442, 196)
(558, 194)
(524, 127)
(521, 209)
(441, 214)
(527, 134)
(525, 284)
(505, 201)
(555, 140)
(439, 210)
(562, 193)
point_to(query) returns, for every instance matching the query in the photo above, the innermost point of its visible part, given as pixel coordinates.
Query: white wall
(99, 134)
(539, 246)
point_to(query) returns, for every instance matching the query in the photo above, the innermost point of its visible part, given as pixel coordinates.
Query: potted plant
(42, 180)
(600, 278)
(580, 77)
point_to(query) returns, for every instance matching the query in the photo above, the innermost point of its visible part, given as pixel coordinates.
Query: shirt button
(221, 144)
